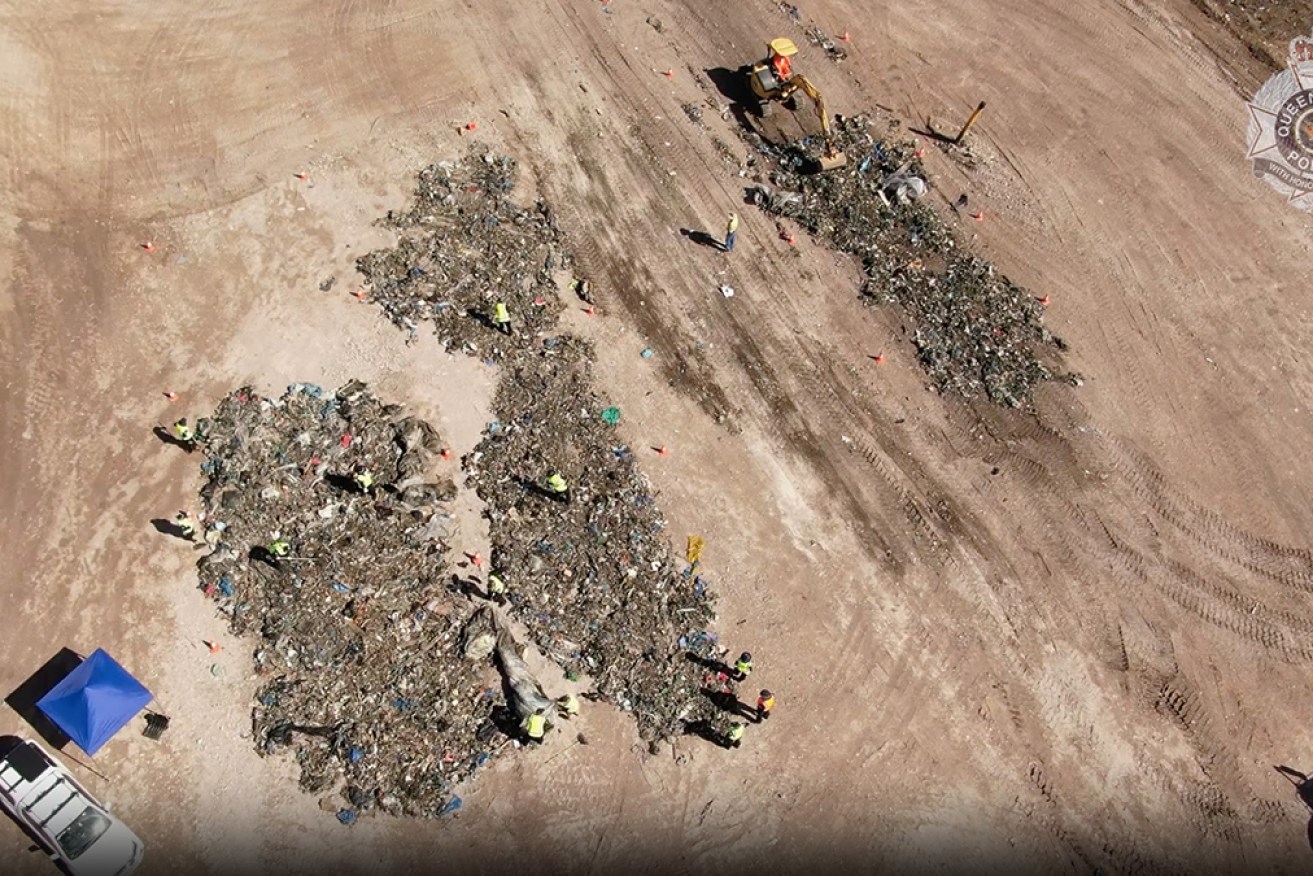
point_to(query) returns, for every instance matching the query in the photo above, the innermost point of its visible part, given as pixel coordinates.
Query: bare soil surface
(1000, 641)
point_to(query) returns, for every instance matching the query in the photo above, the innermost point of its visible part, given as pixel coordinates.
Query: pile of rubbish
(362, 636)
(594, 581)
(977, 333)
(465, 247)
(330, 534)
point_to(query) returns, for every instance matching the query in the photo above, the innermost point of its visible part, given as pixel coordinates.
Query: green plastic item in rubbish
(611, 415)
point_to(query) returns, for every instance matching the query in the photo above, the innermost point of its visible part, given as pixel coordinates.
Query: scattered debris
(377, 665)
(976, 332)
(464, 246)
(693, 111)
(364, 639)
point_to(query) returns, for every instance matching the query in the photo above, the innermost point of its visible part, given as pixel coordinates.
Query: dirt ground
(1000, 642)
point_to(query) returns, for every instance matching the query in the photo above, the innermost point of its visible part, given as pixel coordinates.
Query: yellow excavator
(773, 79)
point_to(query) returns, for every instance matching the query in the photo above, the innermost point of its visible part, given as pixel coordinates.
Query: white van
(75, 829)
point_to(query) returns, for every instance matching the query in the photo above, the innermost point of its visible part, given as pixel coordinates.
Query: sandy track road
(1060, 641)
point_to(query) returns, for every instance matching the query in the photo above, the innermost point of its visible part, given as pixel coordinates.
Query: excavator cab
(772, 75)
(773, 79)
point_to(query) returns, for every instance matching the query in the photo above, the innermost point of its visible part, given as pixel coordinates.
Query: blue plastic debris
(451, 805)
(340, 587)
(226, 586)
(354, 754)
(647, 353)
(347, 816)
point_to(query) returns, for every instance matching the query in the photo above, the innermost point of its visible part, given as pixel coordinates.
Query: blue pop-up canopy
(94, 701)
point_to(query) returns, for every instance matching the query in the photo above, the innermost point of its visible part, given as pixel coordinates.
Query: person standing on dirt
(765, 702)
(186, 525)
(743, 667)
(534, 727)
(731, 231)
(568, 705)
(184, 435)
(501, 318)
(558, 488)
(734, 736)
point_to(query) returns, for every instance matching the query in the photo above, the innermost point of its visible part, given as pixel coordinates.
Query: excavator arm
(833, 157)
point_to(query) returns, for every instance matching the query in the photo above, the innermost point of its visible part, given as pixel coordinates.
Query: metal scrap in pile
(360, 638)
(977, 333)
(595, 582)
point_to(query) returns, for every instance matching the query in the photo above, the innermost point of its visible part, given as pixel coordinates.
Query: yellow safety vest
(496, 585)
(733, 223)
(735, 732)
(556, 483)
(186, 524)
(766, 704)
(183, 432)
(535, 726)
(500, 314)
(743, 667)
(365, 479)
(279, 548)
(570, 704)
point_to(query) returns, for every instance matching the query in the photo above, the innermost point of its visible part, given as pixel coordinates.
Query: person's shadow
(168, 527)
(708, 663)
(727, 702)
(1304, 790)
(533, 487)
(169, 438)
(342, 482)
(702, 238)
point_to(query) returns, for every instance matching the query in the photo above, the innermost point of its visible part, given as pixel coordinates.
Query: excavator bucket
(833, 161)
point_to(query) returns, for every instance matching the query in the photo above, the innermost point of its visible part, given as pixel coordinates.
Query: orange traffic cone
(661, 451)
(170, 395)
(214, 647)
(148, 246)
(446, 453)
(878, 358)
